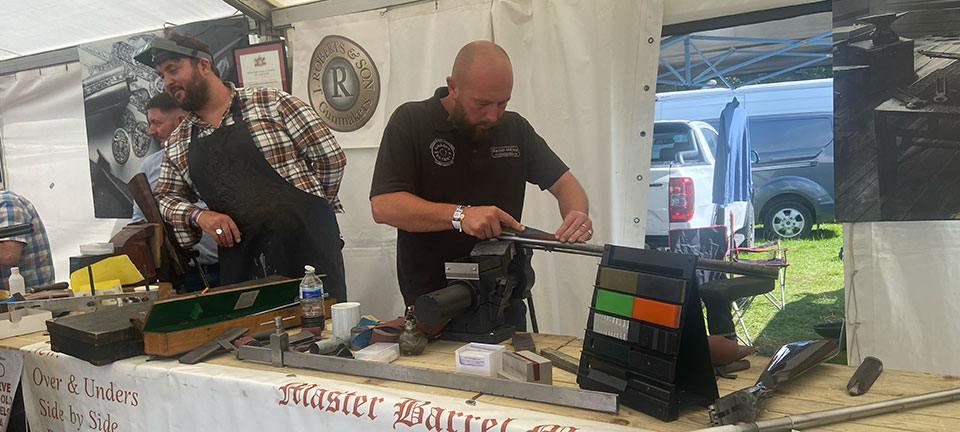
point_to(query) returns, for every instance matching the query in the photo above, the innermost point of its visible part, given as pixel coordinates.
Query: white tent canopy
(33, 27)
(39, 26)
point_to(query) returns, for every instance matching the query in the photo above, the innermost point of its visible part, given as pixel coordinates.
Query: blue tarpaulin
(731, 176)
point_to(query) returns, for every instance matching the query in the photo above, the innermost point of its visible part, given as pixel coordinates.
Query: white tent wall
(45, 150)
(579, 66)
(901, 294)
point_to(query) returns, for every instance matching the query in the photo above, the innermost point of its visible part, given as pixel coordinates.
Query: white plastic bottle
(16, 281)
(311, 299)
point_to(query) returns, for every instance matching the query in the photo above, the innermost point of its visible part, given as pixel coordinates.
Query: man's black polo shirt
(421, 153)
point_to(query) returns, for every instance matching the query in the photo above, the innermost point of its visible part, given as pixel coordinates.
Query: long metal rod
(577, 398)
(597, 251)
(831, 416)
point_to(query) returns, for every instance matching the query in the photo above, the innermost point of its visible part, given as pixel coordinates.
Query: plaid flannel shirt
(36, 261)
(289, 133)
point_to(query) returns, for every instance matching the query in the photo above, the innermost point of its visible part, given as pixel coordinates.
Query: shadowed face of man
(162, 123)
(480, 87)
(183, 80)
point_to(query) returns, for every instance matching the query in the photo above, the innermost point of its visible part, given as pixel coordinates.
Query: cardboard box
(23, 321)
(479, 359)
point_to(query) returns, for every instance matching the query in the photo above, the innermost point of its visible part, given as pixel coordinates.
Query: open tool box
(182, 323)
(645, 338)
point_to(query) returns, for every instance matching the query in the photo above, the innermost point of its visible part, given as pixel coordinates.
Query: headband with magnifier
(159, 50)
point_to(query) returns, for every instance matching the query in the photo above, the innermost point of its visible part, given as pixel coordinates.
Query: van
(791, 137)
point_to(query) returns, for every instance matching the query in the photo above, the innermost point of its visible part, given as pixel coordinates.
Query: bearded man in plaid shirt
(30, 252)
(263, 161)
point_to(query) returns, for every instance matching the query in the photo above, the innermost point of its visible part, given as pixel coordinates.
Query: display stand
(645, 338)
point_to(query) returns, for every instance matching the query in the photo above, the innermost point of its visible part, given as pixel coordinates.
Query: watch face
(121, 146)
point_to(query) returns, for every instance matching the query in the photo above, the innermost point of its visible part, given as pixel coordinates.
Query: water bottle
(311, 299)
(16, 281)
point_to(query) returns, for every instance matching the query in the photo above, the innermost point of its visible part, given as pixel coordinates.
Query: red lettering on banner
(113, 393)
(346, 402)
(373, 403)
(316, 400)
(503, 426)
(312, 396)
(466, 423)
(286, 396)
(433, 420)
(450, 415)
(486, 424)
(41, 380)
(359, 400)
(552, 428)
(409, 412)
(334, 399)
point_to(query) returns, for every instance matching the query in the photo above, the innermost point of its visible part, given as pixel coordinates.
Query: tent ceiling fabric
(34, 27)
(674, 11)
(30, 27)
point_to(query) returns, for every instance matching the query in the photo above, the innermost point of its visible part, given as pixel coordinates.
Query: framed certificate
(262, 65)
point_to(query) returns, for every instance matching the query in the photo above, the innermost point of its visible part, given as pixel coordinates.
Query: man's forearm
(570, 195)
(411, 213)
(177, 212)
(10, 252)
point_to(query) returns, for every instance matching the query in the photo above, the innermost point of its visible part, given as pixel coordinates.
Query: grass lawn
(814, 293)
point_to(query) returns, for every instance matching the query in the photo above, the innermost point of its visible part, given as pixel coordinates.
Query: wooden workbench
(822, 388)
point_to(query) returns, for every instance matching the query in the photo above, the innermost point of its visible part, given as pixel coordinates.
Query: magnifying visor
(159, 50)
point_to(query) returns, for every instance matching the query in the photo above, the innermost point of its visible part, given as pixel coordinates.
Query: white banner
(63, 393)
(580, 69)
(901, 294)
(45, 146)
(10, 366)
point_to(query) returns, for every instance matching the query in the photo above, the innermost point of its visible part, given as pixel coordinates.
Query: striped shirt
(36, 261)
(289, 133)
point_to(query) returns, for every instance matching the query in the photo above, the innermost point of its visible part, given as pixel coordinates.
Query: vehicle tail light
(681, 199)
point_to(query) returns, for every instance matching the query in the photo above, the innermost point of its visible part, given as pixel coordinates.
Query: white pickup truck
(681, 184)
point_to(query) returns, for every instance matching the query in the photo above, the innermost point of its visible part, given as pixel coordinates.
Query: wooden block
(177, 342)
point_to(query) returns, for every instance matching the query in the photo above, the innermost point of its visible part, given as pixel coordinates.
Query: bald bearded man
(452, 170)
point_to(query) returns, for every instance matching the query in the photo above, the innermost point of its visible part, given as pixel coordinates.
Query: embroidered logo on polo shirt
(442, 152)
(505, 151)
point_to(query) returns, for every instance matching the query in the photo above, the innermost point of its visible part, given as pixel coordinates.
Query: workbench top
(823, 387)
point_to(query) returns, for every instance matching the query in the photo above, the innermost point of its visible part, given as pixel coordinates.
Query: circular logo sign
(344, 84)
(443, 152)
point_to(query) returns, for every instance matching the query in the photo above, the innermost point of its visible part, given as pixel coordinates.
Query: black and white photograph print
(897, 109)
(116, 89)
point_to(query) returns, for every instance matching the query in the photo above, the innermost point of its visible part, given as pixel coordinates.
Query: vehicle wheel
(788, 220)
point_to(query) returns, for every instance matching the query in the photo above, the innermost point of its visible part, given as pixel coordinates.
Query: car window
(790, 133)
(670, 139)
(711, 137)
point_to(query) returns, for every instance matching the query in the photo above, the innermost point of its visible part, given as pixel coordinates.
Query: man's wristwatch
(458, 217)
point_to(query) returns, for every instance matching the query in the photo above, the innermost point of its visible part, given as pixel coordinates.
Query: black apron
(282, 228)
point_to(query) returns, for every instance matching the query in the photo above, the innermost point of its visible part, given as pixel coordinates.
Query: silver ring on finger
(219, 231)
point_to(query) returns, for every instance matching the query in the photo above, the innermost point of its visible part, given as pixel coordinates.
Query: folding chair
(776, 256)
(724, 296)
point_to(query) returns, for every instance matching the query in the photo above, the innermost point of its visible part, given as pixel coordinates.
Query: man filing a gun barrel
(262, 160)
(452, 170)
